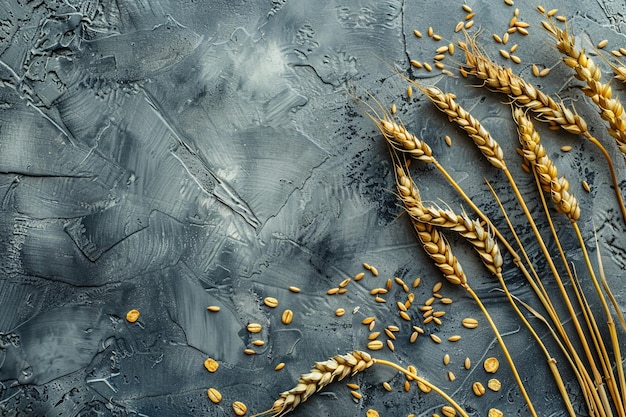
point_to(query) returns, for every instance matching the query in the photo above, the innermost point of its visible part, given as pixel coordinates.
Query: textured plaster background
(170, 155)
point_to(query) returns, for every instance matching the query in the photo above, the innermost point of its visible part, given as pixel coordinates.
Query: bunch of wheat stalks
(596, 361)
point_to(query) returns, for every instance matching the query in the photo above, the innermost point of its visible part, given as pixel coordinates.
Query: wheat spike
(611, 108)
(434, 243)
(536, 155)
(322, 374)
(457, 114)
(396, 134)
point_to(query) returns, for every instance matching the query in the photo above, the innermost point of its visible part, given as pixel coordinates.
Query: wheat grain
(132, 316)
(211, 365)
(478, 388)
(214, 395)
(491, 365)
(494, 384)
(239, 408)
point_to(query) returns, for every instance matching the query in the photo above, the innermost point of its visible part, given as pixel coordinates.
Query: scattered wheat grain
(552, 12)
(505, 38)
(405, 316)
(249, 352)
(535, 70)
(360, 275)
(451, 48)
(470, 323)
(409, 92)
(342, 291)
(375, 345)
(439, 313)
(437, 321)
(470, 16)
(437, 37)
(494, 412)
(448, 411)
(214, 395)
(561, 18)
(213, 309)
(270, 302)
(372, 413)
(423, 387)
(616, 53)
(497, 38)
(467, 8)
(446, 359)
(622, 51)
(390, 345)
(446, 300)
(603, 43)
(494, 384)
(211, 365)
(352, 385)
(509, 2)
(544, 72)
(394, 109)
(393, 328)
(417, 33)
(478, 388)
(491, 365)
(254, 327)
(416, 282)
(459, 26)
(454, 338)
(386, 386)
(390, 334)
(380, 300)
(505, 54)
(439, 65)
(332, 291)
(372, 325)
(435, 338)
(287, 317)
(374, 271)
(469, 24)
(414, 336)
(513, 48)
(279, 366)
(586, 186)
(566, 148)
(416, 64)
(467, 363)
(516, 59)
(368, 320)
(340, 312)
(132, 316)
(258, 342)
(451, 376)
(239, 408)
(373, 335)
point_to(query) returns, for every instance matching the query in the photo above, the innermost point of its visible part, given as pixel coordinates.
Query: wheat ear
(446, 103)
(535, 153)
(337, 368)
(611, 108)
(395, 133)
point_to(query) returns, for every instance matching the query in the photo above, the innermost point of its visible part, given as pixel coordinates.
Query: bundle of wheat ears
(593, 358)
